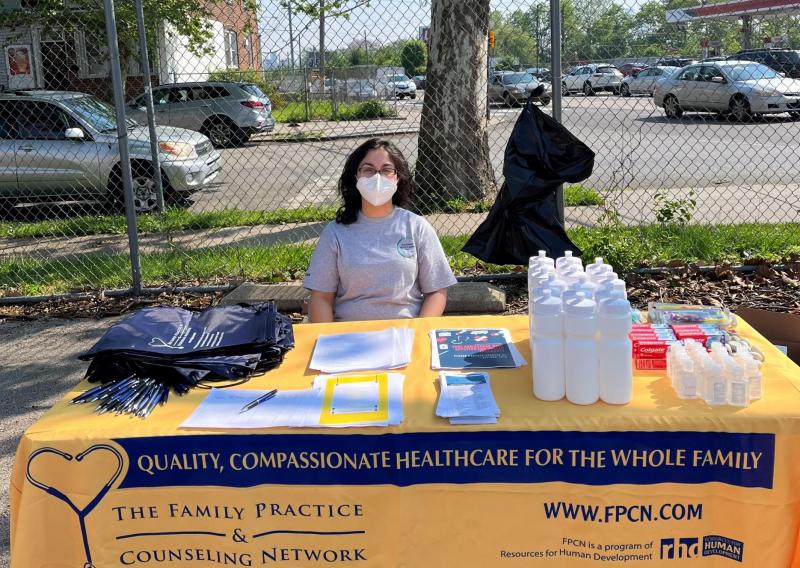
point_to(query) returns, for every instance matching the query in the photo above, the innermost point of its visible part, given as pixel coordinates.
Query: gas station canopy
(733, 10)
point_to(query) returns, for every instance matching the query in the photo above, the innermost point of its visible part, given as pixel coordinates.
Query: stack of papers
(370, 350)
(466, 398)
(473, 349)
(332, 402)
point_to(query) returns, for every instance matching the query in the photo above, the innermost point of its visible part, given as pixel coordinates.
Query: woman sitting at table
(377, 260)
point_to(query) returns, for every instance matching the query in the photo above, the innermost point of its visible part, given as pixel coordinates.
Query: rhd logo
(680, 548)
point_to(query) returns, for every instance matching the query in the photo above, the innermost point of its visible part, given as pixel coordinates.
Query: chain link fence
(692, 114)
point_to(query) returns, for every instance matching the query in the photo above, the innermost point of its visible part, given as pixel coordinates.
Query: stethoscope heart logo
(81, 513)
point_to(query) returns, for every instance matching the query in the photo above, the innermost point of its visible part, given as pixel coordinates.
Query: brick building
(77, 62)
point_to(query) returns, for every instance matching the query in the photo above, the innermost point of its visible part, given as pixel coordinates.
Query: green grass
(173, 219)
(576, 195)
(624, 247)
(323, 110)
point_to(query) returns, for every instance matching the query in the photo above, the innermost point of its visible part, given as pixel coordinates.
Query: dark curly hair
(348, 213)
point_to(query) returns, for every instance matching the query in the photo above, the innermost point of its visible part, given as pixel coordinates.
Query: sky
(383, 22)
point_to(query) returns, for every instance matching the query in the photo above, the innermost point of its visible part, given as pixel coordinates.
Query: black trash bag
(540, 155)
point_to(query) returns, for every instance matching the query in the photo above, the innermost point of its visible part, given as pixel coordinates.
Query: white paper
(221, 409)
(371, 350)
(350, 398)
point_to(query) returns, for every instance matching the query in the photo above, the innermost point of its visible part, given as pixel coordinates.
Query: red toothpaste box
(650, 364)
(649, 349)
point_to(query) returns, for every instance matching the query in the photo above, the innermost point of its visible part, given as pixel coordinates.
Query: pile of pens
(139, 360)
(132, 396)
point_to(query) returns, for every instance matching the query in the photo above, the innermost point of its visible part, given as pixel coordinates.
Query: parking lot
(637, 150)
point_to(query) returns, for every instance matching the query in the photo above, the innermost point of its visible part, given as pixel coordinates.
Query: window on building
(231, 49)
(248, 45)
(97, 59)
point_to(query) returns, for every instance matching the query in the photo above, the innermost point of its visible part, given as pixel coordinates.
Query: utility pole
(538, 41)
(291, 34)
(366, 49)
(322, 41)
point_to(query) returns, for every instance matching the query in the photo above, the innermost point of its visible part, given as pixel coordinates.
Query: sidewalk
(406, 122)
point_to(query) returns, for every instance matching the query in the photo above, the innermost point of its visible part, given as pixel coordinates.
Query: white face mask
(377, 189)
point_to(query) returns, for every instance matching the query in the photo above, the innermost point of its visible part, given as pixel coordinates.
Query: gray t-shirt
(379, 268)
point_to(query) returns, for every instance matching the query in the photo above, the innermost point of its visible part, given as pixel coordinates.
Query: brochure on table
(466, 398)
(473, 349)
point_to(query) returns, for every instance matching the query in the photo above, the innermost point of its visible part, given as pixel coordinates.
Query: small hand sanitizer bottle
(714, 382)
(738, 385)
(752, 372)
(686, 377)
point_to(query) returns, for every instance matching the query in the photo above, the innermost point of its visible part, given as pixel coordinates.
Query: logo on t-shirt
(406, 248)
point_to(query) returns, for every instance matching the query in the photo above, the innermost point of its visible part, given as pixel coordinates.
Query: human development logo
(712, 545)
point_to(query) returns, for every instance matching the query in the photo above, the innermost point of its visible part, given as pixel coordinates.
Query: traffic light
(491, 40)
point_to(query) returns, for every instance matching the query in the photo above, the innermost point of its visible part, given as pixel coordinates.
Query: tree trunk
(453, 150)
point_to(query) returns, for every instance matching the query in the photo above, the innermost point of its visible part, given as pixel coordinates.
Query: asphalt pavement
(637, 149)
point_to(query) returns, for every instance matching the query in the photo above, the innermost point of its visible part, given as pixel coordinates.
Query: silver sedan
(740, 89)
(644, 82)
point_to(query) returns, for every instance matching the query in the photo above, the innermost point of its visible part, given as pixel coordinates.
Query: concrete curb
(464, 297)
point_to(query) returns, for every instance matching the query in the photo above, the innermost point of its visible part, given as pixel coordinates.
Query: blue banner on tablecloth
(591, 458)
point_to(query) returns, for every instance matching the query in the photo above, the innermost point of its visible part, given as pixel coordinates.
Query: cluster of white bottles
(580, 321)
(716, 377)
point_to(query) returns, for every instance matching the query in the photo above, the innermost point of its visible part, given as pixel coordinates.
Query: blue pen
(263, 398)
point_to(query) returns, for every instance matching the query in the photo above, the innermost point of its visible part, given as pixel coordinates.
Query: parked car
(786, 61)
(57, 145)
(675, 61)
(420, 81)
(399, 86)
(538, 72)
(592, 78)
(738, 88)
(514, 88)
(228, 113)
(361, 89)
(628, 69)
(644, 82)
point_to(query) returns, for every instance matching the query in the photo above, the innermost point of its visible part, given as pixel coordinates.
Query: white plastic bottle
(537, 273)
(567, 260)
(598, 267)
(571, 275)
(607, 288)
(547, 347)
(687, 381)
(752, 372)
(580, 284)
(557, 285)
(714, 386)
(614, 360)
(541, 259)
(580, 351)
(738, 387)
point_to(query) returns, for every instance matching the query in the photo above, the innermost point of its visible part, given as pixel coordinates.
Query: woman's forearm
(433, 304)
(321, 306)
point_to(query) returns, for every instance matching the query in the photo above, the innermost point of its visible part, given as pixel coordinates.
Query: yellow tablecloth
(661, 481)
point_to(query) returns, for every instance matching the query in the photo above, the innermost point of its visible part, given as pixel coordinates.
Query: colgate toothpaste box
(650, 364)
(650, 349)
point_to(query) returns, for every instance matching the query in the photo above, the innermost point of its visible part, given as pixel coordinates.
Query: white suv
(592, 78)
